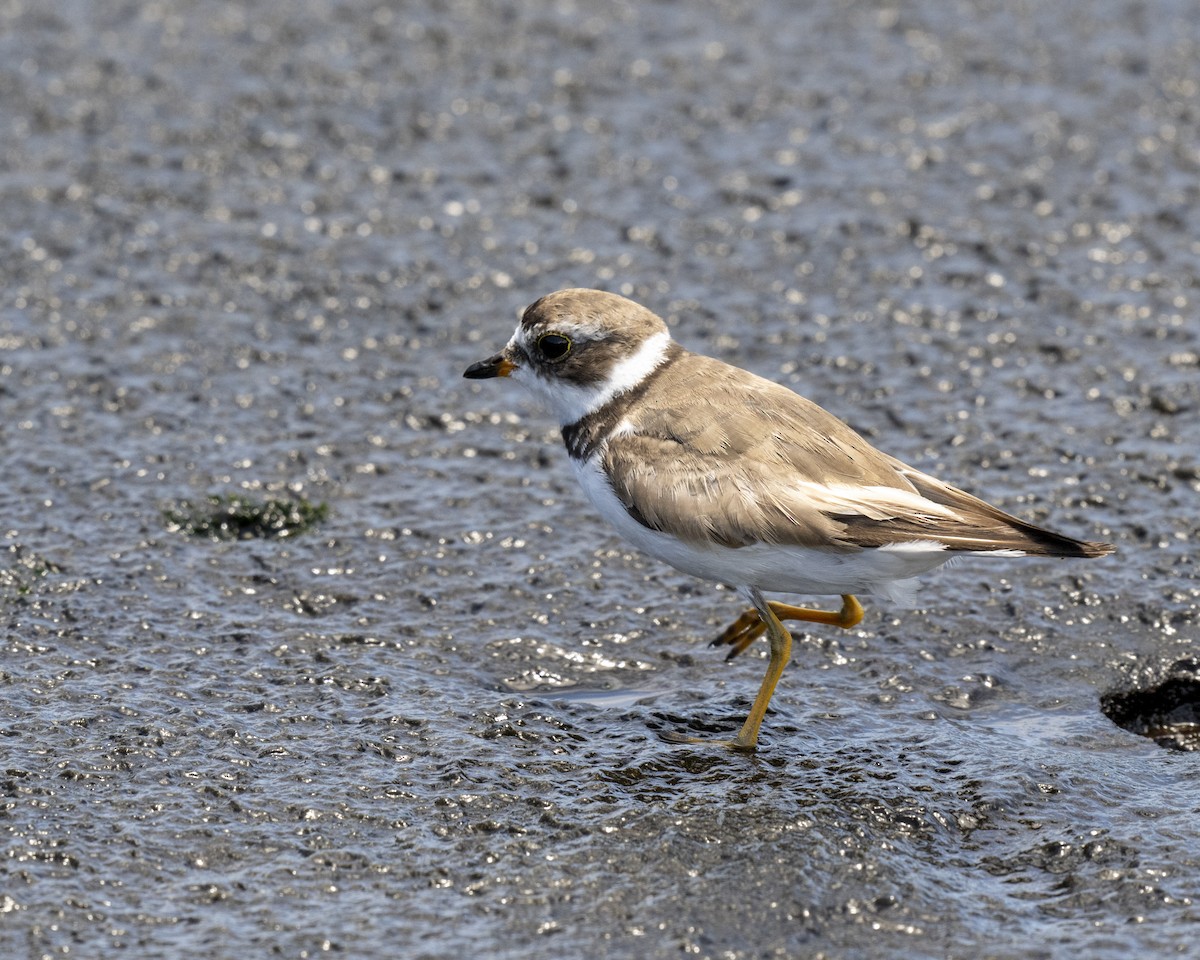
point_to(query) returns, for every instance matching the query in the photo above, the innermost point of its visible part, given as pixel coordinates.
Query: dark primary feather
(988, 527)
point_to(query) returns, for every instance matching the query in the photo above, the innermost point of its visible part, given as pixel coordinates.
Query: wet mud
(248, 253)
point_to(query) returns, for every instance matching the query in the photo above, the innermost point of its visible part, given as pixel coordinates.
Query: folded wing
(754, 462)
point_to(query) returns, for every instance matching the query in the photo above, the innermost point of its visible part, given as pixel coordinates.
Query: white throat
(570, 402)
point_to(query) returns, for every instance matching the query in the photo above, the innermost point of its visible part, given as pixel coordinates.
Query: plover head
(577, 349)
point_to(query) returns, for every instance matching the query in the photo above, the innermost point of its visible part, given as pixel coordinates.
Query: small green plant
(236, 517)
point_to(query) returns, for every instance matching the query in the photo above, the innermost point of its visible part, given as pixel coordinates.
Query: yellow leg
(766, 616)
(781, 653)
(750, 626)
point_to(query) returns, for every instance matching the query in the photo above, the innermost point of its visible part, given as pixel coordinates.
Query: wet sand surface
(250, 250)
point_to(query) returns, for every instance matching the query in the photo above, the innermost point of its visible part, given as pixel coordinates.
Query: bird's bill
(497, 366)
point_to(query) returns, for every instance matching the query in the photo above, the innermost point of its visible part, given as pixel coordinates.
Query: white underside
(886, 572)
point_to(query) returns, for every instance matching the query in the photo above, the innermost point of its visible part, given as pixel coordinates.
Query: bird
(733, 478)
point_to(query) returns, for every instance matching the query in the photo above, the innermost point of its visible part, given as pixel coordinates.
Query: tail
(990, 529)
(1039, 542)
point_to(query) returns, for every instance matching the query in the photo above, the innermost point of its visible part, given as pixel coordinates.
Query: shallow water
(252, 252)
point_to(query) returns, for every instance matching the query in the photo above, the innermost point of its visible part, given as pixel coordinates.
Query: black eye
(554, 346)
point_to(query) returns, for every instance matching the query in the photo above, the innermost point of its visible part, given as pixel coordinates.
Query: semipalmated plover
(733, 478)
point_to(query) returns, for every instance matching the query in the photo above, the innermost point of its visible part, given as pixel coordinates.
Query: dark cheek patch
(587, 365)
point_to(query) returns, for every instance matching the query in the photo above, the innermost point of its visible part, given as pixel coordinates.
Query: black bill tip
(497, 366)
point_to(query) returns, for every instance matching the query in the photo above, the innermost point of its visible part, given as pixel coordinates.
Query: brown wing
(730, 462)
(981, 527)
(743, 460)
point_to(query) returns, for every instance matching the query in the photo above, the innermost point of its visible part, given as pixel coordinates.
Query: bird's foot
(737, 745)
